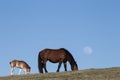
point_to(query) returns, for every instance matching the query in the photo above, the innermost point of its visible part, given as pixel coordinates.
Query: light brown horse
(19, 64)
(56, 56)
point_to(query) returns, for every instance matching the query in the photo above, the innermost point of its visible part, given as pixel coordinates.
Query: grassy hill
(89, 74)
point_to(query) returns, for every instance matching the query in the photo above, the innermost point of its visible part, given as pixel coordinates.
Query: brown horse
(21, 65)
(55, 56)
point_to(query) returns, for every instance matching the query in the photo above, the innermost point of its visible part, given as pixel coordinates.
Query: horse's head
(28, 69)
(74, 67)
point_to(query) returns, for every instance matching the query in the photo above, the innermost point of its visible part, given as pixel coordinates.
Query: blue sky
(89, 29)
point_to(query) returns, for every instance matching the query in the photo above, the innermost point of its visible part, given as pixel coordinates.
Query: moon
(87, 50)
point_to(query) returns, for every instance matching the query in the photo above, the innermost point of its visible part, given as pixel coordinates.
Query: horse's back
(19, 63)
(54, 55)
(48, 51)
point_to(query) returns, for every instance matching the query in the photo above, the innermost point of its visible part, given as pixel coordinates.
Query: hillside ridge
(88, 74)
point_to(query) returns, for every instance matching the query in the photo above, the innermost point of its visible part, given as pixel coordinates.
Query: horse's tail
(10, 62)
(40, 64)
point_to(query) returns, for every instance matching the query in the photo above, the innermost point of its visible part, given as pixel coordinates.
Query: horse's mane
(69, 55)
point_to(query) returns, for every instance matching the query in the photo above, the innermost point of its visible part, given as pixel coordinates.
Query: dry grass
(90, 74)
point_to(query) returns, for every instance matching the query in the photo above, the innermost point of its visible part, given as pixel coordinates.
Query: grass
(89, 74)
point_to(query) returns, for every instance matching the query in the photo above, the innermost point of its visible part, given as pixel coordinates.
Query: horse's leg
(44, 65)
(25, 71)
(12, 69)
(19, 71)
(59, 65)
(65, 66)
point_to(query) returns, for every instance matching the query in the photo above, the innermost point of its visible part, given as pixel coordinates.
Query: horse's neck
(71, 60)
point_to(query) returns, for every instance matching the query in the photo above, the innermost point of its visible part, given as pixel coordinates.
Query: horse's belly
(54, 60)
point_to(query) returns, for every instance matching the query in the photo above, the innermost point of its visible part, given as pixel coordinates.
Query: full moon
(88, 50)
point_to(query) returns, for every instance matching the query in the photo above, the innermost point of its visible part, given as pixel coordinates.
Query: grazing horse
(56, 56)
(19, 64)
